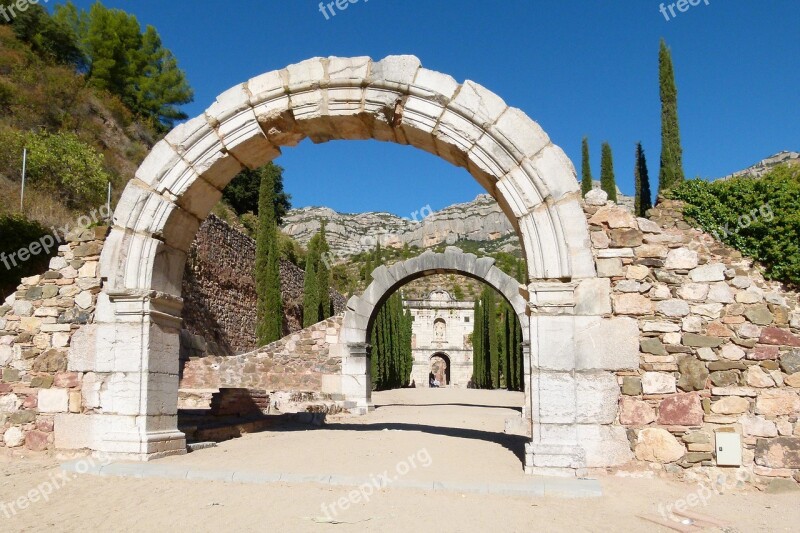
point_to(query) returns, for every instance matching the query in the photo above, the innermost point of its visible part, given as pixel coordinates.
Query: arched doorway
(440, 369)
(133, 343)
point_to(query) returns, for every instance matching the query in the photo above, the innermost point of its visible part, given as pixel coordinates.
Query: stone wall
(298, 362)
(720, 350)
(36, 327)
(219, 293)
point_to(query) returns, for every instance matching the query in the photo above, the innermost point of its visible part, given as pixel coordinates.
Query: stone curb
(537, 487)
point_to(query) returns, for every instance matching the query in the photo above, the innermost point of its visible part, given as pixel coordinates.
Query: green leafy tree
(671, 169)
(607, 180)
(269, 325)
(644, 196)
(586, 168)
(242, 192)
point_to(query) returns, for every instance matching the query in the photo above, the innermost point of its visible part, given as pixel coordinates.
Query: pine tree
(586, 168)
(267, 270)
(671, 170)
(132, 64)
(607, 180)
(644, 197)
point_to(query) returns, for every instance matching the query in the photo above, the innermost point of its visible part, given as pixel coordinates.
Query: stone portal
(441, 331)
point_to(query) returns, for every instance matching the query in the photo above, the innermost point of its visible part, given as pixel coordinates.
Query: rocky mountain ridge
(480, 220)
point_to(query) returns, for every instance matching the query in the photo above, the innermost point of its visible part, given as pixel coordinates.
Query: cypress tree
(671, 170)
(494, 360)
(311, 286)
(269, 326)
(477, 345)
(323, 277)
(644, 196)
(586, 168)
(607, 180)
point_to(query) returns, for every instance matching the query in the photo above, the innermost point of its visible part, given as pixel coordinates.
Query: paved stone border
(537, 486)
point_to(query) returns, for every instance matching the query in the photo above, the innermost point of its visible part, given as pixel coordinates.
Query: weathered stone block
(53, 400)
(658, 383)
(635, 412)
(681, 259)
(657, 445)
(693, 374)
(779, 337)
(781, 452)
(681, 410)
(632, 304)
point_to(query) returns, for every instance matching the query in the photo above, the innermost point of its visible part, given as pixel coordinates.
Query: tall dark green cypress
(644, 196)
(310, 290)
(391, 358)
(269, 326)
(586, 168)
(607, 180)
(494, 360)
(477, 346)
(671, 170)
(323, 276)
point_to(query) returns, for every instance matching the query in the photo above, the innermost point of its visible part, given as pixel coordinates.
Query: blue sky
(576, 67)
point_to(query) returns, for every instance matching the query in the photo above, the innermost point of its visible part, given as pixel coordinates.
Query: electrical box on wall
(728, 447)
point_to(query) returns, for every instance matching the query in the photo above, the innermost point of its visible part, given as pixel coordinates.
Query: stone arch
(361, 311)
(132, 345)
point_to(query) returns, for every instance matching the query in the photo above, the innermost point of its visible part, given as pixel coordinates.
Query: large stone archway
(133, 344)
(361, 310)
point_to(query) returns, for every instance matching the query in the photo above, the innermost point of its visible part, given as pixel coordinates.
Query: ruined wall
(220, 295)
(719, 344)
(36, 327)
(298, 362)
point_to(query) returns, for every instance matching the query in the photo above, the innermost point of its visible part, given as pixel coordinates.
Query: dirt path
(452, 436)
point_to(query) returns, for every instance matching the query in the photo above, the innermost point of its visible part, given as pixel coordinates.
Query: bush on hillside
(58, 162)
(759, 217)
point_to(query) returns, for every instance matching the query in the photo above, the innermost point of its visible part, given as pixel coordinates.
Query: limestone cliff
(480, 220)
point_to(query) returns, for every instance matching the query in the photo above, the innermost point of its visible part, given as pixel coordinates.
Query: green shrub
(58, 162)
(759, 217)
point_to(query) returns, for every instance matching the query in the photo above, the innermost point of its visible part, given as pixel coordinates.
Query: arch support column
(135, 401)
(575, 348)
(357, 376)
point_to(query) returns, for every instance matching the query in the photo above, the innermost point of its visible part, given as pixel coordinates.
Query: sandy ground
(453, 436)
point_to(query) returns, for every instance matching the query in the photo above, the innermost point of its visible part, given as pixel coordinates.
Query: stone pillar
(132, 352)
(357, 377)
(575, 348)
(554, 448)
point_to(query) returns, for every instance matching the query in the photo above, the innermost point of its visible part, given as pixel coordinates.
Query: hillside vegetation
(760, 217)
